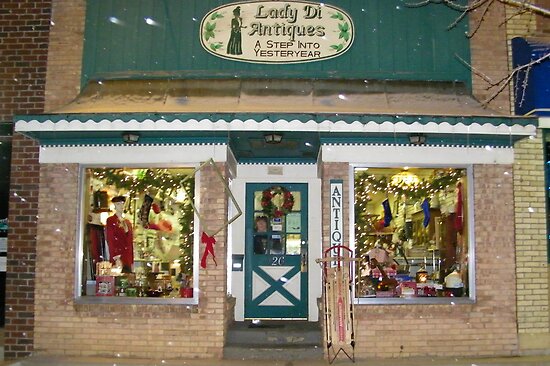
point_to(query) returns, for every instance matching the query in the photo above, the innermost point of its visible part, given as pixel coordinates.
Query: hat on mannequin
(118, 199)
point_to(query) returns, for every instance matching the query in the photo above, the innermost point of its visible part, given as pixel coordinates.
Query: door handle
(303, 263)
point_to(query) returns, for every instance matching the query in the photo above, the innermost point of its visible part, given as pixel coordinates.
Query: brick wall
(62, 83)
(65, 52)
(543, 25)
(530, 207)
(520, 25)
(139, 331)
(486, 328)
(531, 243)
(490, 56)
(529, 189)
(156, 331)
(24, 28)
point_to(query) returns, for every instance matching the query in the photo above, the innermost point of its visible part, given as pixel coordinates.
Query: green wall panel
(392, 41)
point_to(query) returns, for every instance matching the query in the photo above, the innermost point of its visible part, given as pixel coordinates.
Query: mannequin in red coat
(120, 237)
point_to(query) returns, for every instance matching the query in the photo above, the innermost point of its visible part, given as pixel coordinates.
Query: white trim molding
(134, 154)
(420, 155)
(311, 125)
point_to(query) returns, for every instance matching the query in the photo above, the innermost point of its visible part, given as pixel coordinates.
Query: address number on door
(277, 261)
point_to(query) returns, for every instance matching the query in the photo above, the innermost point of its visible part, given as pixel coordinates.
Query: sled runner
(337, 263)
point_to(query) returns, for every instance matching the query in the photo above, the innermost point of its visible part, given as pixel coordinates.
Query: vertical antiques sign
(336, 213)
(276, 31)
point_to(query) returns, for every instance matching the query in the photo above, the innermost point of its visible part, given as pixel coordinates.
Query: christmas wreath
(277, 201)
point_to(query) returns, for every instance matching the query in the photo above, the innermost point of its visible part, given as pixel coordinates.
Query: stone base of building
(534, 344)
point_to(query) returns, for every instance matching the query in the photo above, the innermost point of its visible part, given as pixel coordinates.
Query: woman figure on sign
(234, 46)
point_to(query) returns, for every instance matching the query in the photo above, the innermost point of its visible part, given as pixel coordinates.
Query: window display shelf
(414, 301)
(90, 300)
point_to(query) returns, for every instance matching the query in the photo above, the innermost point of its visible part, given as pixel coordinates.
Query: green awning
(307, 112)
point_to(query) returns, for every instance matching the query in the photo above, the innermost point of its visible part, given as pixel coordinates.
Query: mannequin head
(118, 202)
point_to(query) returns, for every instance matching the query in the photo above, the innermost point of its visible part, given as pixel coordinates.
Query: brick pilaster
(24, 28)
(531, 244)
(65, 52)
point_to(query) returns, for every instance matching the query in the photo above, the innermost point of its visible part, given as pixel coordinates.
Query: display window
(411, 232)
(137, 233)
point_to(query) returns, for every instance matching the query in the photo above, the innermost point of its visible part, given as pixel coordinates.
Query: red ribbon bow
(209, 241)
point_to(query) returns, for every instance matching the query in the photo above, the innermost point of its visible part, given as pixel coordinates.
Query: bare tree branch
(502, 83)
(474, 4)
(418, 4)
(523, 85)
(464, 9)
(527, 5)
(474, 70)
(516, 14)
(481, 19)
(522, 4)
(522, 7)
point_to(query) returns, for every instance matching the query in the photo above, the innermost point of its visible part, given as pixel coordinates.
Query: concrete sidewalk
(83, 361)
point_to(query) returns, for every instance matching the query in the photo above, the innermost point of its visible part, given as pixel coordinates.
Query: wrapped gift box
(424, 289)
(103, 268)
(390, 293)
(408, 289)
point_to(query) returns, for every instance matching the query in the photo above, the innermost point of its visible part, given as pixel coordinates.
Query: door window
(277, 235)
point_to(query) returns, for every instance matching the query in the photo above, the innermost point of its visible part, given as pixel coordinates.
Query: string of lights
(166, 183)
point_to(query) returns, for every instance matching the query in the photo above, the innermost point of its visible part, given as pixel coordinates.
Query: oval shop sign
(277, 31)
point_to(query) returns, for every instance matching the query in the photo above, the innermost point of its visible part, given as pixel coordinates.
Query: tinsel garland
(423, 189)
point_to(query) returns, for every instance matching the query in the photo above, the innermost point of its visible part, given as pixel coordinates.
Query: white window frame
(82, 212)
(471, 298)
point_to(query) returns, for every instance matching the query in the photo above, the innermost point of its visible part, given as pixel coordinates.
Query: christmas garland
(424, 189)
(284, 201)
(166, 183)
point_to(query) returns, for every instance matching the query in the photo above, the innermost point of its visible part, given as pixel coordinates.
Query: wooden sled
(338, 301)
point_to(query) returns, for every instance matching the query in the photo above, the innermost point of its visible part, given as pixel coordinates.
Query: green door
(276, 251)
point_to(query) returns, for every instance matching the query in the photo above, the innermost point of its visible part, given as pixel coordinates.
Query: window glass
(138, 232)
(411, 232)
(293, 243)
(277, 235)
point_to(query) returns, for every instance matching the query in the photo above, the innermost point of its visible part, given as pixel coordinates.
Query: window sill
(414, 301)
(121, 300)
